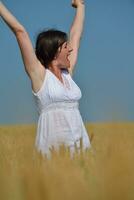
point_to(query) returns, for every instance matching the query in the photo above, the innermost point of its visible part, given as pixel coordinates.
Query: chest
(63, 91)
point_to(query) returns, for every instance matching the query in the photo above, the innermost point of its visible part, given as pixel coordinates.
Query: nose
(70, 50)
(70, 47)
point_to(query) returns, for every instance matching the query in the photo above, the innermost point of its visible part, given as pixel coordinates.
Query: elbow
(19, 31)
(75, 39)
(75, 36)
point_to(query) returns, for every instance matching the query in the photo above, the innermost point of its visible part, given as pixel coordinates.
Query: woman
(50, 68)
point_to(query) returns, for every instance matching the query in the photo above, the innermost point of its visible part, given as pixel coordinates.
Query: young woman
(50, 68)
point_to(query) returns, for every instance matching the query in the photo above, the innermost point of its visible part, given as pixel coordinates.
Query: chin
(68, 65)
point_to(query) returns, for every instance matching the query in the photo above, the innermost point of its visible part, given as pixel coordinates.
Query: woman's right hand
(76, 3)
(32, 65)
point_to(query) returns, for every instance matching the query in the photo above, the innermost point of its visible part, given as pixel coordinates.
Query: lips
(68, 56)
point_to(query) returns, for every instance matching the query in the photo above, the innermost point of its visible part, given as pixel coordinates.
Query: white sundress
(60, 121)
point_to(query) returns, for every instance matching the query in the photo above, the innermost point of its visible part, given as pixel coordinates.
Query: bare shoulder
(37, 77)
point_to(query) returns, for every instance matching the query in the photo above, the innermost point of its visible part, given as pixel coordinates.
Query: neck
(56, 71)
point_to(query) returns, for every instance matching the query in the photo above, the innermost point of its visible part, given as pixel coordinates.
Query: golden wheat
(103, 173)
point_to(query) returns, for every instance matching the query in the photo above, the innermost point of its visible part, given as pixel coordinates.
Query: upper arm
(74, 43)
(31, 63)
(35, 70)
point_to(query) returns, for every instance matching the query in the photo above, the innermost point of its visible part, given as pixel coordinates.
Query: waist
(66, 105)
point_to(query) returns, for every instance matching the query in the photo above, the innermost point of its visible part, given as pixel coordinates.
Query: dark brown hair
(47, 44)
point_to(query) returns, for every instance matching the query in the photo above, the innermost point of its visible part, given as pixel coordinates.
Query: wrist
(80, 4)
(0, 7)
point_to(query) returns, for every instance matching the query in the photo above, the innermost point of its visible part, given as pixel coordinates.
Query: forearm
(77, 25)
(10, 20)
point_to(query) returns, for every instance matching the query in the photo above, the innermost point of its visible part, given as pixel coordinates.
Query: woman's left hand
(76, 3)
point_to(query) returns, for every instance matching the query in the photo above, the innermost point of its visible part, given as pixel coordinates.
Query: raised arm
(76, 30)
(32, 66)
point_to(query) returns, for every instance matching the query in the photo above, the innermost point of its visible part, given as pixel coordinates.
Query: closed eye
(66, 46)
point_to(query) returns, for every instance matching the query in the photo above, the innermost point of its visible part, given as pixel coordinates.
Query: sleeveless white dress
(60, 121)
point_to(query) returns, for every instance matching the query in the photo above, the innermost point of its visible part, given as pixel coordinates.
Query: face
(63, 55)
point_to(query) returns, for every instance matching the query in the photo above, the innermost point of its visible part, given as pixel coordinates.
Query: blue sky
(105, 66)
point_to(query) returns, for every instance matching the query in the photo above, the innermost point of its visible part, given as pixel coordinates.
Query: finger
(73, 4)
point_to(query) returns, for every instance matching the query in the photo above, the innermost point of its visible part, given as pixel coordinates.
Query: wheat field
(105, 172)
